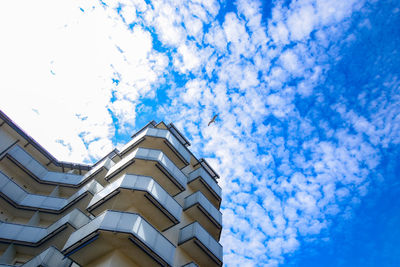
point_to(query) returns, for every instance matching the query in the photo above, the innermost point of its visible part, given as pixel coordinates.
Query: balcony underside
(160, 144)
(9, 207)
(200, 214)
(103, 242)
(12, 214)
(45, 176)
(152, 169)
(199, 253)
(128, 200)
(34, 236)
(134, 228)
(199, 184)
(31, 185)
(49, 257)
(56, 239)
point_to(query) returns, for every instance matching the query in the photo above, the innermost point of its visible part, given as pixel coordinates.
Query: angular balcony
(201, 210)
(126, 232)
(190, 264)
(178, 134)
(153, 163)
(200, 246)
(37, 171)
(142, 193)
(34, 236)
(163, 140)
(31, 185)
(20, 198)
(50, 257)
(200, 180)
(11, 134)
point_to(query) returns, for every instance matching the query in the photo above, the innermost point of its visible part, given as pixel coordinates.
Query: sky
(307, 95)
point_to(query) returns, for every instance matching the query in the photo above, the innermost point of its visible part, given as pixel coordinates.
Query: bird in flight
(213, 119)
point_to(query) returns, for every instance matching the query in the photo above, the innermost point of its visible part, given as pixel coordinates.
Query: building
(151, 204)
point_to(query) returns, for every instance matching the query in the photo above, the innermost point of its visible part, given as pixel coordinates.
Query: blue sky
(307, 92)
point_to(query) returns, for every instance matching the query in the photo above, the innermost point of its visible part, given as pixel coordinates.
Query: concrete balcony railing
(200, 245)
(178, 134)
(39, 172)
(22, 199)
(171, 141)
(201, 210)
(165, 166)
(33, 235)
(190, 264)
(149, 197)
(128, 228)
(200, 180)
(50, 257)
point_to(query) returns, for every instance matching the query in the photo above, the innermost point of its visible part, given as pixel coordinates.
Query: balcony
(34, 236)
(50, 257)
(37, 171)
(162, 139)
(178, 134)
(201, 210)
(139, 192)
(19, 198)
(10, 134)
(31, 185)
(200, 246)
(190, 264)
(128, 233)
(200, 180)
(153, 163)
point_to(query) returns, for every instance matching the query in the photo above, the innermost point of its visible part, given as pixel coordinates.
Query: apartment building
(153, 203)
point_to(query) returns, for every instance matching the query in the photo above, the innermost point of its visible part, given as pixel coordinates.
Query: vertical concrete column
(56, 192)
(35, 219)
(8, 255)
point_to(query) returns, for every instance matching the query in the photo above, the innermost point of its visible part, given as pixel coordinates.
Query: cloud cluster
(288, 168)
(71, 70)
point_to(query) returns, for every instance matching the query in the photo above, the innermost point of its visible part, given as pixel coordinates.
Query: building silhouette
(151, 204)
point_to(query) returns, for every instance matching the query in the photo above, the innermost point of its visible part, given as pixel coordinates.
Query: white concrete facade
(151, 204)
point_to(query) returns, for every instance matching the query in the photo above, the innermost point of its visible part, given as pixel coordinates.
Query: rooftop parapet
(178, 135)
(160, 133)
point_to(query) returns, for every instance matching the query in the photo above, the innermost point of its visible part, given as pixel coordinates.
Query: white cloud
(187, 58)
(61, 63)
(216, 37)
(301, 22)
(125, 110)
(304, 190)
(290, 61)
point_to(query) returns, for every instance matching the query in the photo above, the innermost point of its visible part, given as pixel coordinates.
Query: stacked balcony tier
(151, 204)
(142, 192)
(128, 232)
(205, 250)
(151, 162)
